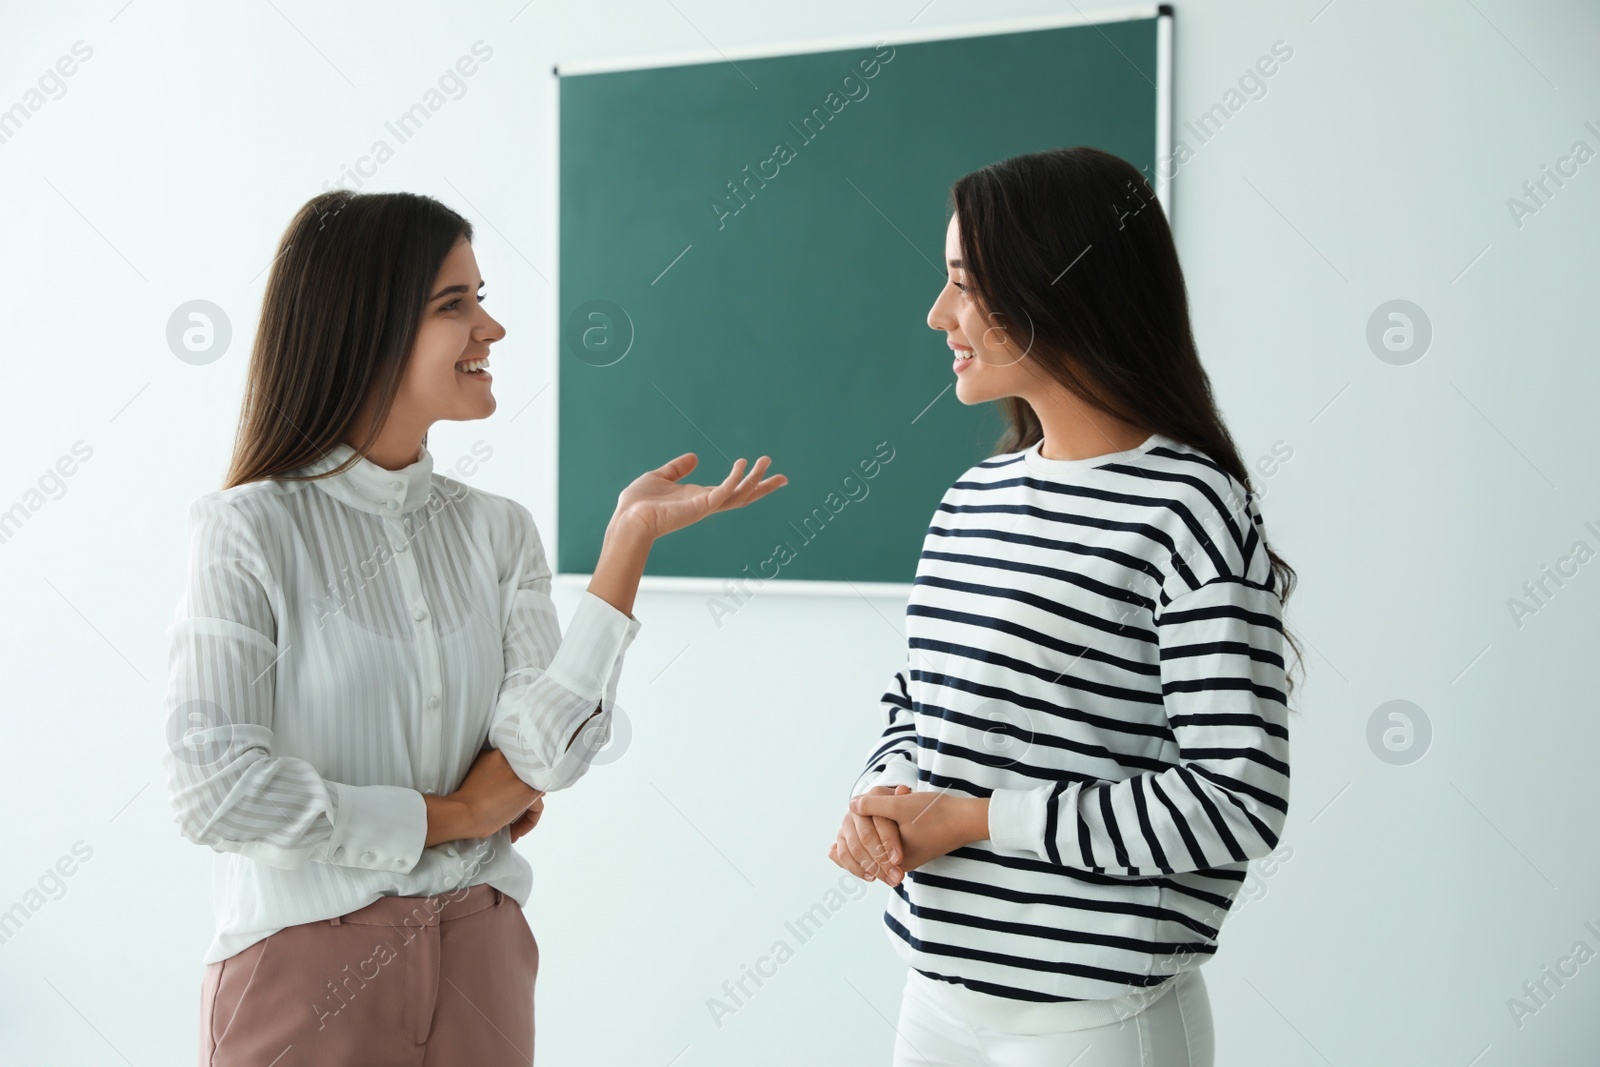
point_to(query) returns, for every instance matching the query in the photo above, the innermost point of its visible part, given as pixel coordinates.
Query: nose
(491, 329)
(939, 315)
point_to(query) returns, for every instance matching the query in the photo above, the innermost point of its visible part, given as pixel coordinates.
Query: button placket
(431, 732)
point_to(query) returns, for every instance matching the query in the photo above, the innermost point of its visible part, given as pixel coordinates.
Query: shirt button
(366, 857)
(392, 505)
(420, 614)
(396, 485)
(433, 702)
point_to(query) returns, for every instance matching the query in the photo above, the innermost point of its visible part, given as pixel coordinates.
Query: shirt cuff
(898, 771)
(596, 637)
(380, 827)
(1016, 819)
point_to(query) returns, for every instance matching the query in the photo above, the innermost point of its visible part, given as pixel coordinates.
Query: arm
(554, 708)
(1226, 799)
(227, 788)
(871, 847)
(894, 759)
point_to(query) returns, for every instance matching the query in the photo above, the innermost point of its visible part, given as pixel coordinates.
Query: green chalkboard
(789, 318)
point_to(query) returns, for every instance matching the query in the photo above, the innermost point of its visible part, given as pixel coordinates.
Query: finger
(752, 477)
(885, 849)
(888, 832)
(730, 484)
(777, 481)
(674, 469)
(861, 871)
(867, 833)
(859, 851)
(846, 859)
(754, 486)
(889, 807)
(725, 496)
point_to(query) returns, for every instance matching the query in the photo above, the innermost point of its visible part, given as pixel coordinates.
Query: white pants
(1175, 1031)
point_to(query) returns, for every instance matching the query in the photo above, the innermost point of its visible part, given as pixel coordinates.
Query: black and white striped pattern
(344, 646)
(1096, 646)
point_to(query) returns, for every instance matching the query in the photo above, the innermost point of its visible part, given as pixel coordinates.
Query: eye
(450, 305)
(958, 285)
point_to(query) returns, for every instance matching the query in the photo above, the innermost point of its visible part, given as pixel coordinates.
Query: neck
(397, 445)
(1074, 430)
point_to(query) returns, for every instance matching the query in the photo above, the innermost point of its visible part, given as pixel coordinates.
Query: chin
(970, 394)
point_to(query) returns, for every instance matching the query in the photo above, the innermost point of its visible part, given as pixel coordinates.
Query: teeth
(963, 355)
(472, 365)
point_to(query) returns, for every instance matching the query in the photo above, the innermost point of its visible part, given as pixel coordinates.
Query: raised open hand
(660, 504)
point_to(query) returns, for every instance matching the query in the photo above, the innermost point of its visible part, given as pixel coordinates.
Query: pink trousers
(437, 981)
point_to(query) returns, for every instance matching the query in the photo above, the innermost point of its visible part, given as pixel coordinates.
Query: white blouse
(346, 645)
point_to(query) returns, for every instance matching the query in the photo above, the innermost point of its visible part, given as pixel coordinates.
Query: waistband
(391, 910)
(985, 1010)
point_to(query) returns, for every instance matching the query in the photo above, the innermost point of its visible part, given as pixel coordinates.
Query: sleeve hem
(379, 827)
(1016, 819)
(595, 639)
(897, 771)
(575, 760)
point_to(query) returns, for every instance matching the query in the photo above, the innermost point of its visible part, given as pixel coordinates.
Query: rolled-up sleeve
(226, 786)
(554, 685)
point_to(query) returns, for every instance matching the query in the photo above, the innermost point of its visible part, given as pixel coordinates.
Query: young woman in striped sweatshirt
(1089, 739)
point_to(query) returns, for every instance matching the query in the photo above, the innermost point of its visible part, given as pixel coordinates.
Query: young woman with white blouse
(369, 692)
(1089, 740)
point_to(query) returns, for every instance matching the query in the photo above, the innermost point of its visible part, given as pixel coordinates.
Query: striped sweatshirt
(1096, 646)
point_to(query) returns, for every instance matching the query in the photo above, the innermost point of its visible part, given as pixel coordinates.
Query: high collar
(369, 487)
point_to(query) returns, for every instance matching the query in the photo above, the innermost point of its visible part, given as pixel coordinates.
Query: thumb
(901, 790)
(674, 469)
(869, 805)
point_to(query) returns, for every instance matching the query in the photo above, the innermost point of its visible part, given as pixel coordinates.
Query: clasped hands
(888, 832)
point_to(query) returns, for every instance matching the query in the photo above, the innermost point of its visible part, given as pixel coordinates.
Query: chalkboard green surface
(748, 252)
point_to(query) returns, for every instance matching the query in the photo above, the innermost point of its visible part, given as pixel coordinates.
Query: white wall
(1418, 500)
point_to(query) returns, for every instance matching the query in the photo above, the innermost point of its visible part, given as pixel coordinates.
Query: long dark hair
(1070, 248)
(347, 291)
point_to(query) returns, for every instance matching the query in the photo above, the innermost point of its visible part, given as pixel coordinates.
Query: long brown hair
(347, 291)
(1071, 248)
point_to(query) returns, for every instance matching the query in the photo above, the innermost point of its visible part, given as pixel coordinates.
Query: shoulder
(250, 510)
(1219, 534)
(506, 523)
(498, 512)
(233, 535)
(997, 471)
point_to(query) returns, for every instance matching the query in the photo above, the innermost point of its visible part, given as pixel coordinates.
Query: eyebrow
(452, 289)
(955, 263)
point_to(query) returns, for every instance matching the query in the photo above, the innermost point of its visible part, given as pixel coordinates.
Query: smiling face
(455, 334)
(989, 362)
